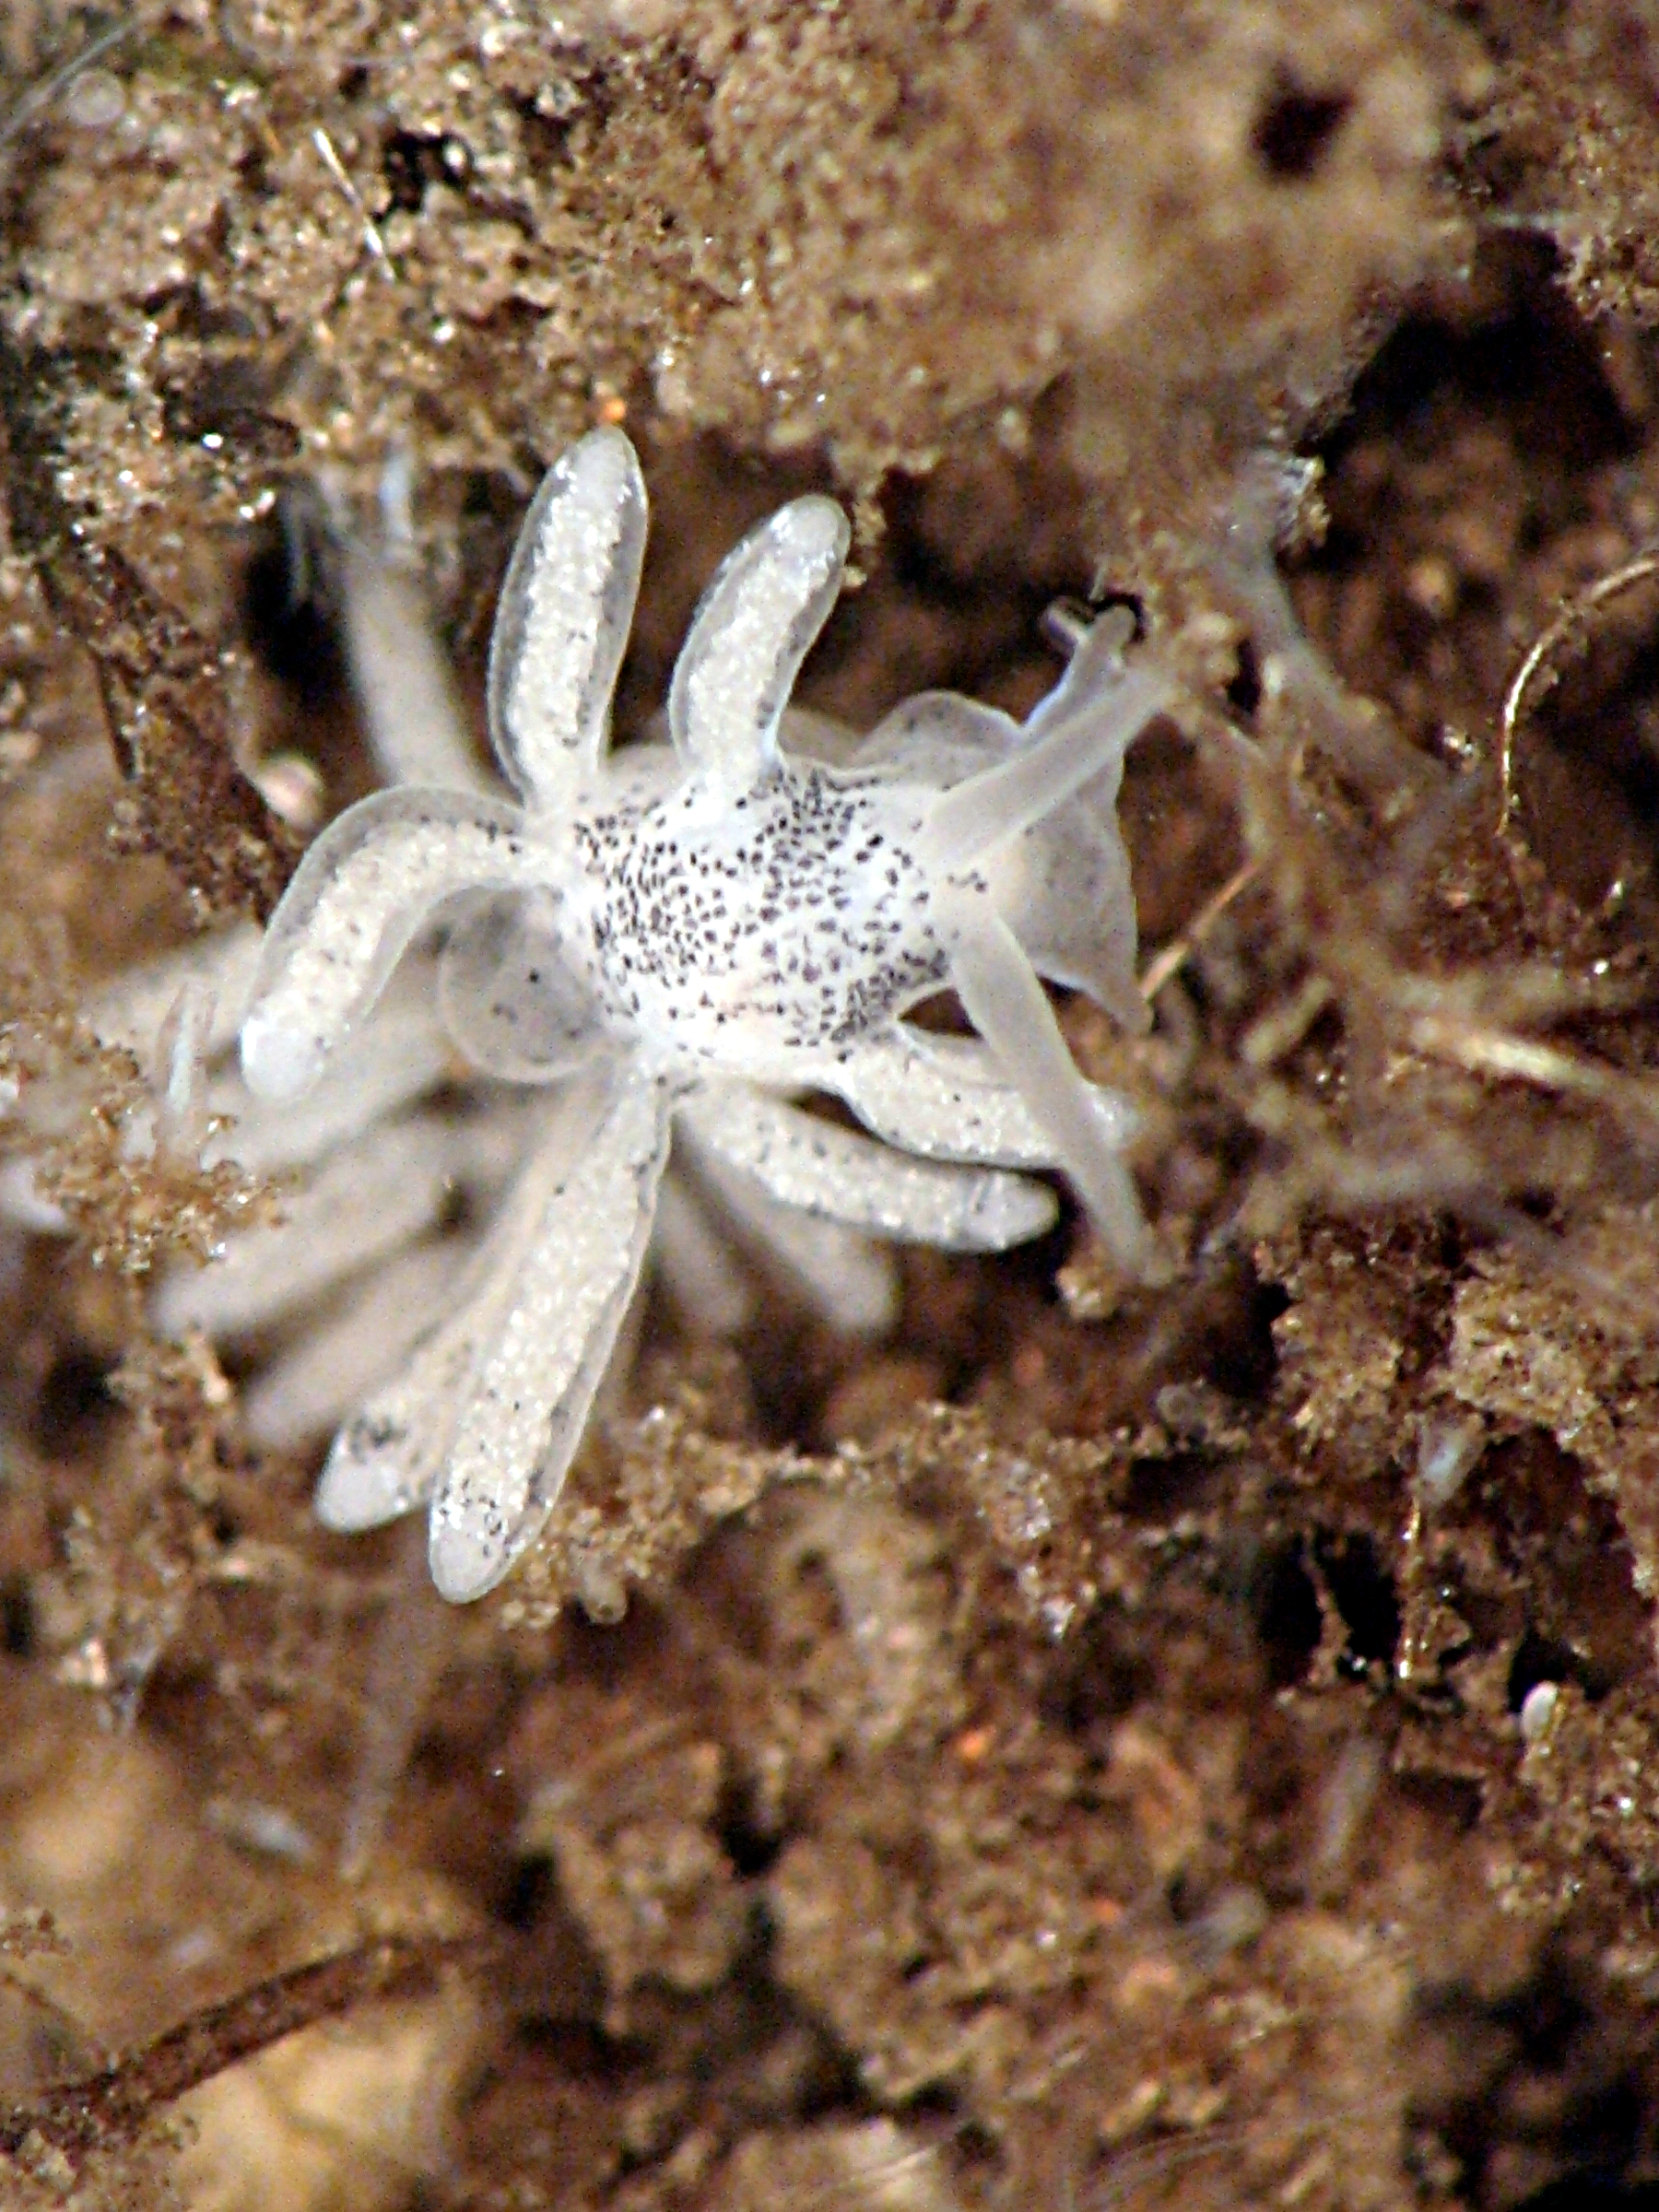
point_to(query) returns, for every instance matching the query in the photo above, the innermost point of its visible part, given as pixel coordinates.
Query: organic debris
(1099, 1743)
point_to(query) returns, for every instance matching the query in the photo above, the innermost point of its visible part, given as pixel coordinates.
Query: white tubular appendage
(528, 1400)
(361, 892)
(563, 618)
(697, 1266)
(973, 818)
(387, 1459)
(836, 1175)
(946, 1098)
(394, 1058)
(401, 680)
(846, 1278)
(769, 600)
(318, 1381)
(999, 990)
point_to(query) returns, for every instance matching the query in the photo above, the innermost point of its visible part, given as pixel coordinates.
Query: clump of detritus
(851, 230)
(105, 1144)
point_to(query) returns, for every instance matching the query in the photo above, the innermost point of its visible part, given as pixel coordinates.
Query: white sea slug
(695, 933)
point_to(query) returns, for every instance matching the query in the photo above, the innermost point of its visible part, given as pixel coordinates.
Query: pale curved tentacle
(837, 1175)
(528, 1402)
(946, 1098)
(1062, 881)
(361, 892)
(768, 602)
(1042, 826)
(1064, 890)
(1071, 749)
(563, 620)
(848, 1279)
(363, 1338)
(401, 678)
(1064, 887)
(696, 1263)
(851, 1279)
(998, 987)
(396, 1057)
(509, 996)
(386, 1460)
(1093, 670)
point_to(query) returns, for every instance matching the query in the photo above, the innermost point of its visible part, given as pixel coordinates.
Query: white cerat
(696, 933)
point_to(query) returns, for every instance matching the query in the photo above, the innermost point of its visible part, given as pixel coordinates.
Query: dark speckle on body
(802, 917)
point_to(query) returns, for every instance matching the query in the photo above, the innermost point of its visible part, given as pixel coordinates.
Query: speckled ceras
(799, 908)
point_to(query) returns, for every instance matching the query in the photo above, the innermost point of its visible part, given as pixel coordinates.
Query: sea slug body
(694, 934)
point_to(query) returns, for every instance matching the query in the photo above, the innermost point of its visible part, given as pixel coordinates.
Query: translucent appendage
(401, 680)
(1064, 890)
(397, 1055)
(528, 1402)
(361, 892)
(1042, 825)
(696, 1263)
(1062, 881)
(1006, 1003)
(769, 600)
(948, 1098)
(386, 1460)
(844, 1275)
(839, 1176)
(360, 1341)
(563, 620)
(1065, 753)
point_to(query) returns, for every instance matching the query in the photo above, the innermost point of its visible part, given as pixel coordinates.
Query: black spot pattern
(793, 920)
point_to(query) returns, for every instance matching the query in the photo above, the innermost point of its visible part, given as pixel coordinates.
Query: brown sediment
(1073, 1752)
